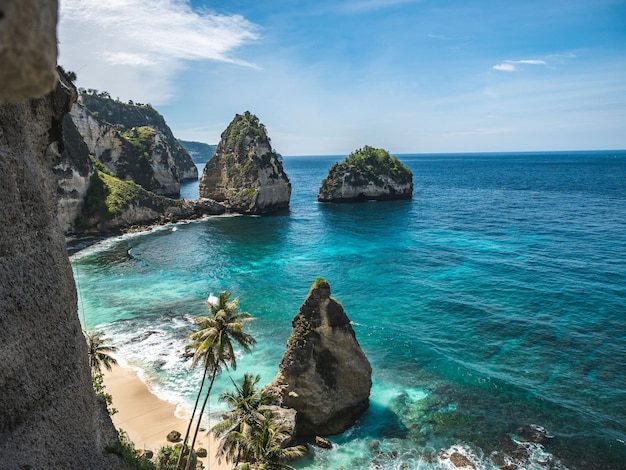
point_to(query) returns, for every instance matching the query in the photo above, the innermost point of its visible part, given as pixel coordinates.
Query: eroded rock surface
(49, 414)
(324, 374)
(245, 173)
(368, 174)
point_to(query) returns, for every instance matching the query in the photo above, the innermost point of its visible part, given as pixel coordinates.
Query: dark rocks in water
(534, 433)
(246, 174)
(367, 174)
(460, 461)
(323, 443)
(324, 374)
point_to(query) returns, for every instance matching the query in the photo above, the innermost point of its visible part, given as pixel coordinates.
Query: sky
(327, 77)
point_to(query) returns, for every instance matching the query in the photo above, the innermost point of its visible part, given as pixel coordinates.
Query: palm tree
(264, 447)
(98, 352)
(214, 343)
(245, 404)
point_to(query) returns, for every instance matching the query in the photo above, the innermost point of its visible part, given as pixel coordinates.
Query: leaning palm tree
(265, 447)
(214, 343)
(246, 406)
(98, 352)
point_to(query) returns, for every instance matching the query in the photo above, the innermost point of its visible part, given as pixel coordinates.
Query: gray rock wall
(49, 415)
(28, 48)
(324, 374)
(245, 173)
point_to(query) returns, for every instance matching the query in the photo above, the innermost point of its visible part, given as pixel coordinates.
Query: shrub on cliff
(369, 164)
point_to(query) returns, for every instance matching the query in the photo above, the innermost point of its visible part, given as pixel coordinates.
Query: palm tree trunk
(206, 399)
(193, 414)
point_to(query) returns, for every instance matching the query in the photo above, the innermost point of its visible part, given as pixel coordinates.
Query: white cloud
(505, 67)
(102, 40)
(509, 65)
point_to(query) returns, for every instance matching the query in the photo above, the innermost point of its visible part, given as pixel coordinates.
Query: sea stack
(245, 174)
(367, 174)
(324, 374)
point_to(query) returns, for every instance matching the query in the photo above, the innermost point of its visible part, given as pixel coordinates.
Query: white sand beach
(147, 419)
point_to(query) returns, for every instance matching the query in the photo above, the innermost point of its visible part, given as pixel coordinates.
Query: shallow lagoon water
(496, 298)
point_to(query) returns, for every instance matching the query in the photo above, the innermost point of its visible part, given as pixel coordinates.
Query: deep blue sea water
(494, 299)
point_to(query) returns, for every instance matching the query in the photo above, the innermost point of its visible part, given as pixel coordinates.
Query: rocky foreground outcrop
(368, 174)
(134, 142)
(324, 374)
(245, 173)
(49, 414)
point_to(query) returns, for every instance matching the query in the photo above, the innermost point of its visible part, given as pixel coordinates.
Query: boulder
(367, 174)
(173, 436)
(323, 443)
(245, 173)
(324, 374)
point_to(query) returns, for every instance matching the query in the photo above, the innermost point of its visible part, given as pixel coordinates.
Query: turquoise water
(496, 298)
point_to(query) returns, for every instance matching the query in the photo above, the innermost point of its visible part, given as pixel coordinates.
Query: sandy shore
(146, 418)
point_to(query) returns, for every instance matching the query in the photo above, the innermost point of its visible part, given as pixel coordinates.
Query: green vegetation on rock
(109, 196)
(244, 125)
(368, 165)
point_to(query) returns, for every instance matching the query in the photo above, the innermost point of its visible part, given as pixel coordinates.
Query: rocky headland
(246, 174)
(324, 374)
(367, 174)
(133, 142)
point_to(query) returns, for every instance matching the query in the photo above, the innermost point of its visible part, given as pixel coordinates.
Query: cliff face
(74, 172)
(49, 414)
(245, 173)
(324, 374)
(367, 174)
(113, 205)
(28, 55)
(134, 142)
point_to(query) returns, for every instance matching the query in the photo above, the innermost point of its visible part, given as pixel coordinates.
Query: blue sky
(328, 77)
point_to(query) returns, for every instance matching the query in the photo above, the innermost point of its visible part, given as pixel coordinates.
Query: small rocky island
(245, 174)
(367, 174)
(324, 374)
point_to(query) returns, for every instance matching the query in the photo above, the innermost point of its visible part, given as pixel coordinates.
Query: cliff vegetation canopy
(368, 164)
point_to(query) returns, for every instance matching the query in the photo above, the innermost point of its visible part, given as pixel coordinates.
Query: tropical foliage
(265, 448)
(97, 380)
(98, 351)
(213, 345)
(368, 164)
(246, 412)
(126, 450)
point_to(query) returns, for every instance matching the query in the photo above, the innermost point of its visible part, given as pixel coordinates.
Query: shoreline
(147, 419)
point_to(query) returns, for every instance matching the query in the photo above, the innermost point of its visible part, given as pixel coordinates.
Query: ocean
(495, 299)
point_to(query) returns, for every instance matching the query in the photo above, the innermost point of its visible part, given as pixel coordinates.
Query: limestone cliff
(112, 205)
(324, 374)
(134, 142)
(74, 172)
(49, 414)
(365, 175)
(245, 173)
